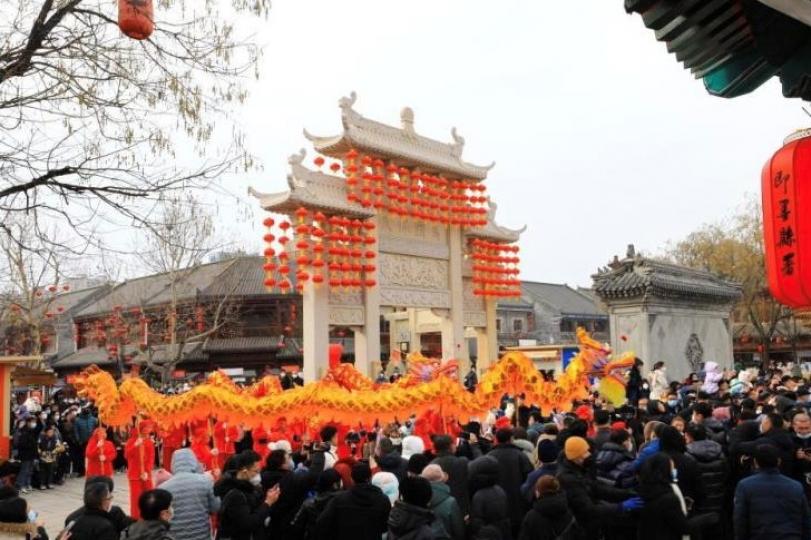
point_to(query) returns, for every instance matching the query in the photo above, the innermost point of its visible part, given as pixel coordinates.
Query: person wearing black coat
(293, 486)
(712, 466)
(391, 461)
(119, 518)
(771, 432)
(489, 508)
(514, 467)
(549, 518)
(633, 388)
(595, 504)
(244, 513)
(672, 443)
(27, 453)
(456, 468)
(95, 522)
(664, 515)
(361, 513)
(410, 518)
(303, 525)
(615, 459)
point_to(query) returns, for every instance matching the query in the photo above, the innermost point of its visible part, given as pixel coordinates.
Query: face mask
(674, 475)
(56, 418)
(32, 516)
(672, 403)
(396, 442)
(760, 428)
(256, 479)
(32, 425)
(804, 436)
(291, 464)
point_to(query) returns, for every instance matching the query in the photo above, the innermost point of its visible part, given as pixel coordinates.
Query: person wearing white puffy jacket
(712, 376)
(657, 380)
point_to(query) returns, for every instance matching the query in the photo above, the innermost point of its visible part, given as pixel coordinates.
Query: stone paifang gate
(442, 262)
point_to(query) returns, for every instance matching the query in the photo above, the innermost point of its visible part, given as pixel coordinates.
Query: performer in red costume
(225, 435)
(140, 454)
(201, 449)
(173, 439)
(99, 454)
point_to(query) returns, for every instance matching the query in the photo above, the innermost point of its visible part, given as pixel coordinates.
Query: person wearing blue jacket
(770, 505)
(652, 431)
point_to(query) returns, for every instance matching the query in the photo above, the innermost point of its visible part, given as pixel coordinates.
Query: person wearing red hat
(140, 454)
(225, 435)
(173, 439)
(99, 454)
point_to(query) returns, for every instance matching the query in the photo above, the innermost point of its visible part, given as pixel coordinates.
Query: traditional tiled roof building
(670, 313)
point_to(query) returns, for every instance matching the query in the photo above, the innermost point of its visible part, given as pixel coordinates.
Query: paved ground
(54, 505)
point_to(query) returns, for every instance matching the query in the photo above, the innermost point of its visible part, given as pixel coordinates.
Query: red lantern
(135, 18)
(319, 161)
(786, 184)
(268, 222)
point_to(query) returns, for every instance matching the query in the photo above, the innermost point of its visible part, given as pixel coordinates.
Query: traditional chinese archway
(389, 219)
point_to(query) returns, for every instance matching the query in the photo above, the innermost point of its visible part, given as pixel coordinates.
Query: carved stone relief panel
(405, 297)
(346, 315)
(475, 318)
(472, 302)
(347, 298)
(412, 272)
(413, 238)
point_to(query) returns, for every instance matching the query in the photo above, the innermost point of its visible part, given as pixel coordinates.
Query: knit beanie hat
(575, 447)
(547, 451)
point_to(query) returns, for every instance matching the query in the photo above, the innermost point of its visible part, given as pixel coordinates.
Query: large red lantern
(786, 185)
(135, 18)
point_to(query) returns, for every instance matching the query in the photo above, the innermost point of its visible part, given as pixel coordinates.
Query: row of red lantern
(351, 254)
(336, 243)
(492, 269)
(410, 194)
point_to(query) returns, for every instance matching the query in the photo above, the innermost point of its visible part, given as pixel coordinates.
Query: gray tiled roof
(637, 276)
(561, 298)
(240, 276)
(84, 357)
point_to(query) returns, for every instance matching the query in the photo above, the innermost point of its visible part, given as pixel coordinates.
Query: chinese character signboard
(786, 184)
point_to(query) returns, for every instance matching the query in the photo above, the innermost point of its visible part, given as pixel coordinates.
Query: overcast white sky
(600, 137)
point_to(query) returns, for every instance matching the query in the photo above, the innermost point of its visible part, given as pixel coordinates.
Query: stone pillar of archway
(455, 326)
(487, 338)
(315, 305)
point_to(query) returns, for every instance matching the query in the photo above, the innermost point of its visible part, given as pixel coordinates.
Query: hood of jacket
(184, 461)
(525, 446)
(483, 472)
(440, 492)
(405, 518)
(552, 507)
(705, 451)
(711, 367)
(365, 494)
(146, 530)
(391, 462)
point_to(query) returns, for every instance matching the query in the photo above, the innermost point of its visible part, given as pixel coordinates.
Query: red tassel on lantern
(135, 18)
